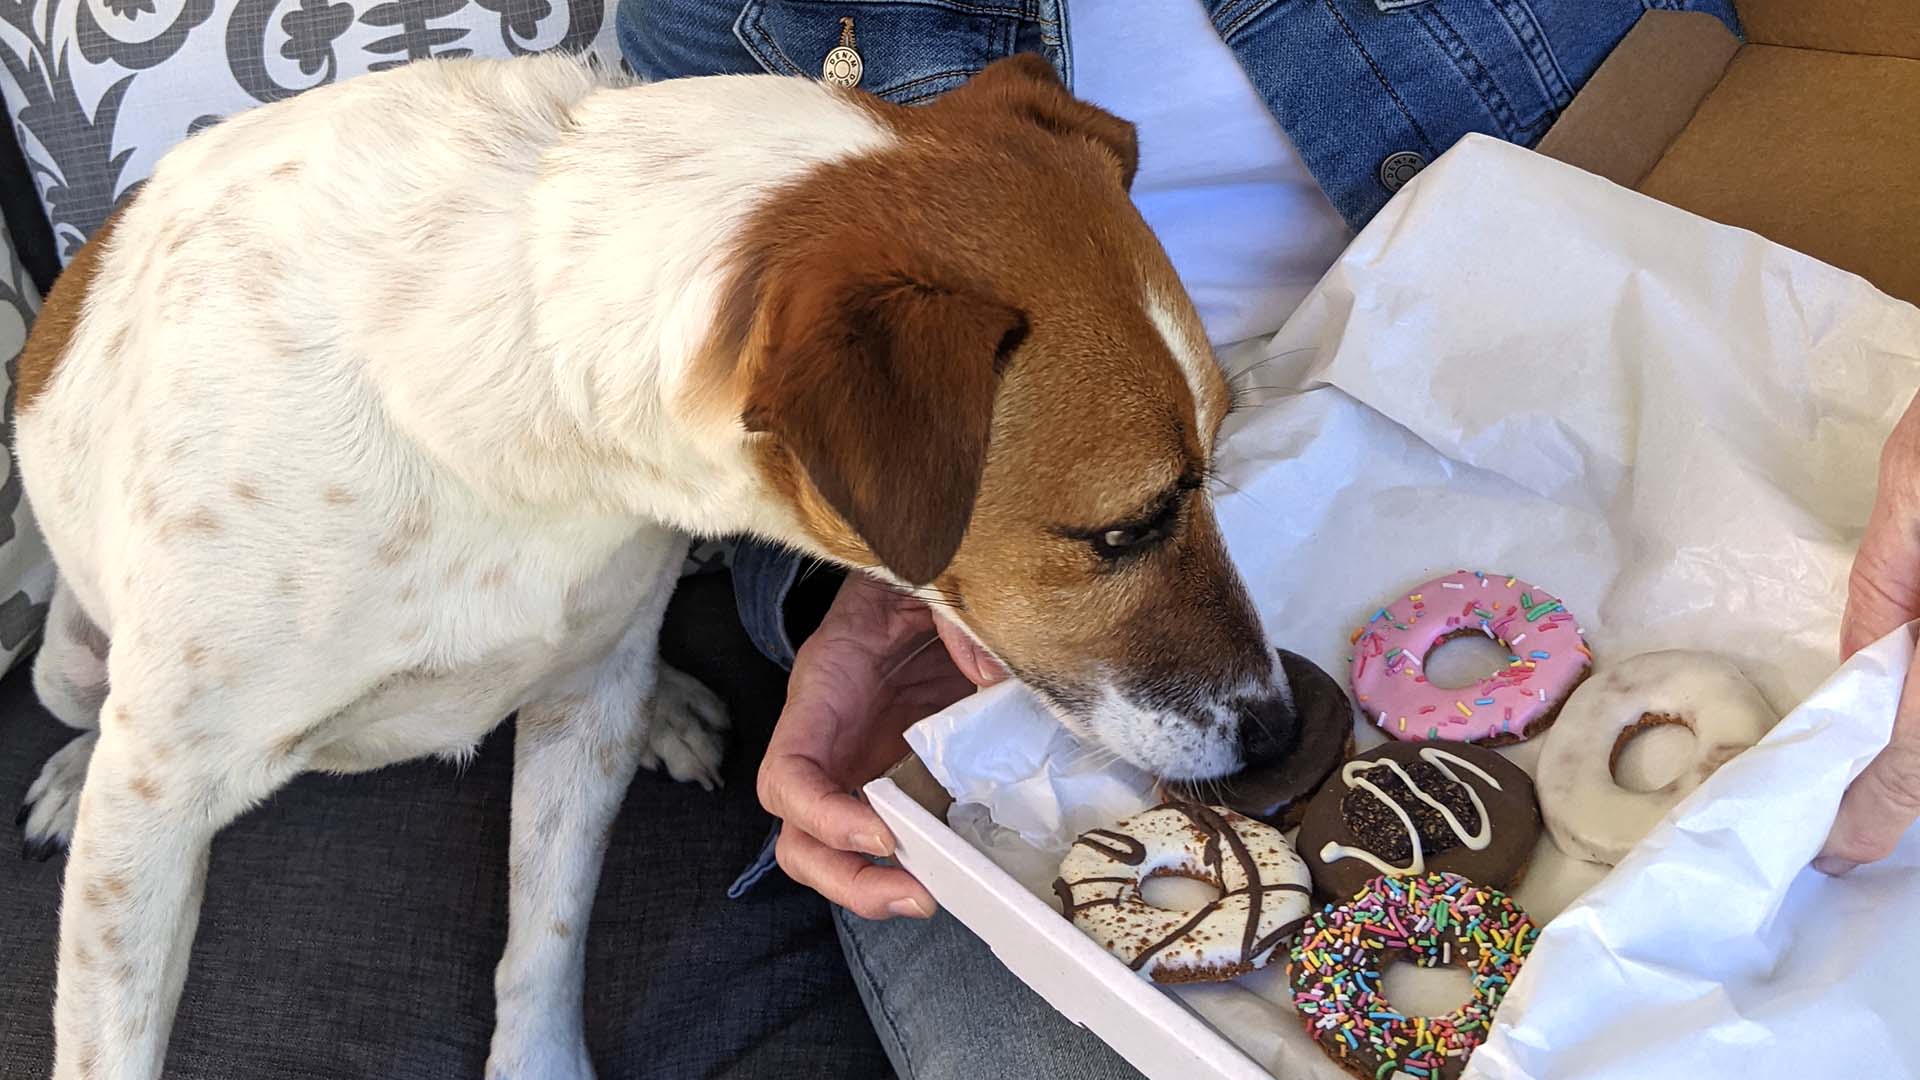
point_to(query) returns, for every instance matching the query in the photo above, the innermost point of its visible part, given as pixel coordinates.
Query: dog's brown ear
(1027, 86)
(883, 390)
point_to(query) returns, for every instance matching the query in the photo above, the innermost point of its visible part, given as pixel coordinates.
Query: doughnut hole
(1463, 659)
(1652, 752)
(1413, 990)
(1176, 892)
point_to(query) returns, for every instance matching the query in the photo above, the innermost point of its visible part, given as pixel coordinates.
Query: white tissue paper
(1674, 426)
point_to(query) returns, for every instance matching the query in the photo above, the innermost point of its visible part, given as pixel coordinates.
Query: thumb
(1884, 589)
(978, 665)
(1883, 800)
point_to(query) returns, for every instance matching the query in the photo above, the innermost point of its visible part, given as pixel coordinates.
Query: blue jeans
(945, 1009)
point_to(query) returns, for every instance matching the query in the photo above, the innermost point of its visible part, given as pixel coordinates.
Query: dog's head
(973, 369)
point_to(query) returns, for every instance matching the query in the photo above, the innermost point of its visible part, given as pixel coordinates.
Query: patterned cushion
(26, 569)
(98, 90)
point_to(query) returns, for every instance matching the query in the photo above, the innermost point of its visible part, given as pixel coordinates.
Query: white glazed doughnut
(1263, 891)
(1588, 814)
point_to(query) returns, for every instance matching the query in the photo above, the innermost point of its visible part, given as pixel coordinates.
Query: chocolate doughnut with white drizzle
(1410, 808)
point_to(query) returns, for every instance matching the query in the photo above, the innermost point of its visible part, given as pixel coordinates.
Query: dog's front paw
(687, 735)
(515, 1056)
(53, 802)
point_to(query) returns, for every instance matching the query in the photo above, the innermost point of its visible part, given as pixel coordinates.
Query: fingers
(1883, 591)
(841, 711)
(798, 791)
(1884, 800)
(868, 890)
(974, 662)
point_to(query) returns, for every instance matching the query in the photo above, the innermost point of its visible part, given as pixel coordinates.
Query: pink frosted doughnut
(1547, 657)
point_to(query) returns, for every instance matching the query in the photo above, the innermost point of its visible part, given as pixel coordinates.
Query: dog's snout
(1269, 729)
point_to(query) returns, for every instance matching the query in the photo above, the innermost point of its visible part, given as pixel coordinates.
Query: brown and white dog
(384, 412)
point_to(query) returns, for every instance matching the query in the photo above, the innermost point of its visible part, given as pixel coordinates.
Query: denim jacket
(1369, 91)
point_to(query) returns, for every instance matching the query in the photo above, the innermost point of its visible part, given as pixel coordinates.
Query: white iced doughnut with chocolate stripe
(1263, 891)
(1588, 814)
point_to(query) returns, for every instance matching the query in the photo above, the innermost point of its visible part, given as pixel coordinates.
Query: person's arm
(1884, 593)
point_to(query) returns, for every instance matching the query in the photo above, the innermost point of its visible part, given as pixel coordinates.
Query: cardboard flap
(1816, 150)
(913, 777)
(1874, 27)
(1643, 95)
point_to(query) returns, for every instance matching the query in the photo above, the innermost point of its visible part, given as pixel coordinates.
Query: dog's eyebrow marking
(335, 495)
(1204, 379)
(246, 491)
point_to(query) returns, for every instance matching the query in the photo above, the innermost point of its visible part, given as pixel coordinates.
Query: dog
(385, 412)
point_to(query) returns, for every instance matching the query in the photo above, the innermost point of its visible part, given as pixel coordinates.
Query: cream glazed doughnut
(1547, 658)
(1588, 814)
(1263, 891)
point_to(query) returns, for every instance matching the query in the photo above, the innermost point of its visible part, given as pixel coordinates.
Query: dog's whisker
(909, 658)
(1234, 377)
(1255, 365)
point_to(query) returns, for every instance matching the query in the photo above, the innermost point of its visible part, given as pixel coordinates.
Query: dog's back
(232, 302)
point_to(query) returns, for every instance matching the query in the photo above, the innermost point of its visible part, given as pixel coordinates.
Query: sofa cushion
(99, 89)
(26, 569)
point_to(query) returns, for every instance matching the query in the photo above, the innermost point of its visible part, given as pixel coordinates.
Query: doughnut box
(1522, 367)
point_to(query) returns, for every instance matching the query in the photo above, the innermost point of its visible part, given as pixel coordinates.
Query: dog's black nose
(1269, 730)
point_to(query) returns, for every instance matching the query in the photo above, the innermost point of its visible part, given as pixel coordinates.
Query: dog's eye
(1118, 541)
(1123, 540)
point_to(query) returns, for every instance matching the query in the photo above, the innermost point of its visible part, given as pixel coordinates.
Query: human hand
(869, 672)
(1884, 593)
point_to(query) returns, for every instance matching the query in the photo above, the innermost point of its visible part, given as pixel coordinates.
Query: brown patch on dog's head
(974, 371)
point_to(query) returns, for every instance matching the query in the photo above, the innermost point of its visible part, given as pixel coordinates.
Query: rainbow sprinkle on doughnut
(1432, 920)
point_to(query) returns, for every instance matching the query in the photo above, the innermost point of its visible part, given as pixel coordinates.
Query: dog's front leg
(575, 751)
(155, 794)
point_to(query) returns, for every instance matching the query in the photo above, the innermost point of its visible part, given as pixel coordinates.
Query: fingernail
(873, 845)
(1833, 865)
(910, 908)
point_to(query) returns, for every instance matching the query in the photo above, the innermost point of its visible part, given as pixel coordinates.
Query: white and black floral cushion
(98, 90)
(26, 569)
